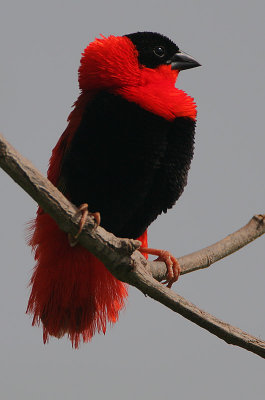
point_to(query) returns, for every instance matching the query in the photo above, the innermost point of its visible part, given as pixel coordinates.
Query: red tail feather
(72, 291)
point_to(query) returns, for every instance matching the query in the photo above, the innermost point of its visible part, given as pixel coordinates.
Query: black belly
(127, 163)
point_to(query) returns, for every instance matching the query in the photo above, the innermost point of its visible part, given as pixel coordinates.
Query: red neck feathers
(112, 64)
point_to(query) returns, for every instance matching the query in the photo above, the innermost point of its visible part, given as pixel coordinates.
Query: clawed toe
(83, 209)
(173, 267)
(172, 264)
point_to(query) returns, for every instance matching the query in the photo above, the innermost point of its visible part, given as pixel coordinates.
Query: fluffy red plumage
(72, 292)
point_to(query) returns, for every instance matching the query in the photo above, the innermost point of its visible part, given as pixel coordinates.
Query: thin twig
(204, 258)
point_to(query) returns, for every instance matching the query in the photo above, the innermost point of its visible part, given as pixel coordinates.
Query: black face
(154, 49)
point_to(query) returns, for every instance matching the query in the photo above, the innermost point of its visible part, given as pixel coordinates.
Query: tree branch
(128, 265)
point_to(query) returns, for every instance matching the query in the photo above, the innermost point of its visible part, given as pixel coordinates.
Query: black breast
(127, 163)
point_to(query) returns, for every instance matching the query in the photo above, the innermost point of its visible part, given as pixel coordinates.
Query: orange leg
(173, 267)
(83, 209)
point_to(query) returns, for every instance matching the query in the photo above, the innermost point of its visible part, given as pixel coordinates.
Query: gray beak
(181, 61)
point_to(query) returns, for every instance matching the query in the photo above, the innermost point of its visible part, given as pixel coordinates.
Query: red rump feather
(72, 291)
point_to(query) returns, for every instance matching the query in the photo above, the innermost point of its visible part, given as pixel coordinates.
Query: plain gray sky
(151, 353)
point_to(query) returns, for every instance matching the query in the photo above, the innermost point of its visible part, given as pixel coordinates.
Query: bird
(124, 158)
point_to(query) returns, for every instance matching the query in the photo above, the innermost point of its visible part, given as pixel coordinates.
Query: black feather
(127, 163)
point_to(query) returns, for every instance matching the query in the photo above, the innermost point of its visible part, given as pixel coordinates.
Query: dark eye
(159, 51)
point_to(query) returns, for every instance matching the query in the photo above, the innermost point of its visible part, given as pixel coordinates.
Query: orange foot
(83, 209)
(173, 267)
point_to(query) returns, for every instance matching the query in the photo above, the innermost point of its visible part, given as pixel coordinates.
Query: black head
(155, 49)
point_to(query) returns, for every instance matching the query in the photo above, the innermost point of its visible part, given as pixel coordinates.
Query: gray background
(151, 353)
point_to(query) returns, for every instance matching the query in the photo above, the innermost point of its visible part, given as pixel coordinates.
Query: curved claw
(173, 267)
(172, 264)
(83, 209)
